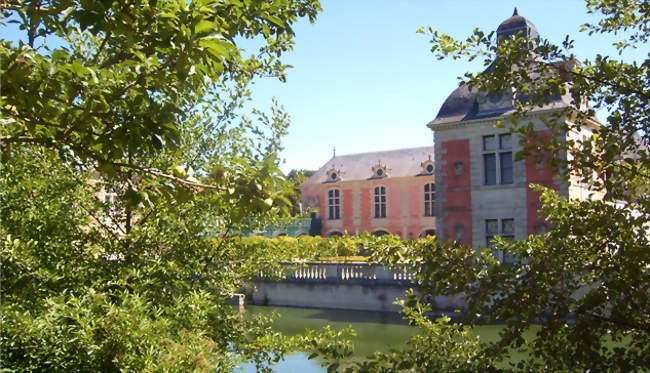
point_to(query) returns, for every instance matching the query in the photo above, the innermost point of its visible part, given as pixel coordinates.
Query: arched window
(379, 233)
(336, 234)
(334, 203)
(429, 199)
(380, 202)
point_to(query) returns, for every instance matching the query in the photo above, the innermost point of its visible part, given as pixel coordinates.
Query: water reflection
(359, 317)
(376, 331)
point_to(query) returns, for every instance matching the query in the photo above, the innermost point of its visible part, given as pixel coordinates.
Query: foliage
(297, 177)
(441, 346)
(126, 72)
(302, 247)
(128, 161)
(562, 284)
(300, 175)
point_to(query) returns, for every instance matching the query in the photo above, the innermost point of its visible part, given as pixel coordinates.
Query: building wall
(404, 206)
(464, 201)
(577, 189)
(538, 172)
(455, 198)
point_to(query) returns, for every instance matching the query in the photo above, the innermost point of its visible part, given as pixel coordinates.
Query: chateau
(466, 186)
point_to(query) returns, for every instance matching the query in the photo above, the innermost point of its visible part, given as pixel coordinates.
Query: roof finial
(515, 13)
(334, 152)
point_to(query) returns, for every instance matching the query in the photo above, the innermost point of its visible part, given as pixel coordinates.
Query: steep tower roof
(463, 103)
(516, 24)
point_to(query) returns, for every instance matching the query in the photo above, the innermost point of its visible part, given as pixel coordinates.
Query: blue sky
(363, 80)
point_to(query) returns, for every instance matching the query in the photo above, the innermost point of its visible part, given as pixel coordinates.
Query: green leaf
(332, 367)
(204, 28)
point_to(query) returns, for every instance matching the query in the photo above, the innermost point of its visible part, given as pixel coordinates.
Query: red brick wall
(542, 176)
(415, 202)
(404, 214)
(365, 210)
(394, 211)
(347, 214)
(458, 197)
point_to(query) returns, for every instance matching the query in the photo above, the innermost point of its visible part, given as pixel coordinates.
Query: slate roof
(461, 104)
(399, 162)
(515, 24)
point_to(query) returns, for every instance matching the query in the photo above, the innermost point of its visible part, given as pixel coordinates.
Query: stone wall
(350, 286)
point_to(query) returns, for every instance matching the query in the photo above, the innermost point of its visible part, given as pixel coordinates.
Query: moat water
(376, 331)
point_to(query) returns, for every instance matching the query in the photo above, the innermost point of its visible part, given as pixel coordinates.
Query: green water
(376, 331)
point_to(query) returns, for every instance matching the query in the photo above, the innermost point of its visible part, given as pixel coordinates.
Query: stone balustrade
(339, 272)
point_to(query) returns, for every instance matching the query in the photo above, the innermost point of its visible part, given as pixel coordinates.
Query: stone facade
(465, 202)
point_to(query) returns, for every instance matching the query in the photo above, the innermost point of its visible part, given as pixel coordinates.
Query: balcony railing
(338, 272)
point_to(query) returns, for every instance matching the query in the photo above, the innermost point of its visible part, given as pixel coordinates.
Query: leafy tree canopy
(297, 177)
(127, 163)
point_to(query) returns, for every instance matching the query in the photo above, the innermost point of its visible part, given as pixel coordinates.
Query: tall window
(429, 199)
(380, 202)
(334, 203)
(504, 228)
(497, 159)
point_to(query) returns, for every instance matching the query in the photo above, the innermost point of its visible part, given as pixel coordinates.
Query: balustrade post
(383, 273)
(332, 272)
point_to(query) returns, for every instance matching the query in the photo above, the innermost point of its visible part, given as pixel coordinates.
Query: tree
(143, 100)
(297, 177)
(583, 288)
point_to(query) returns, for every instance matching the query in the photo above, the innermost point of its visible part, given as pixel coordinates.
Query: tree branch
(622, 323)
(106, 228)
(605, 82)
(175, 179)
(101, 47)
(146, 217)
(37, 9)
(20, 139)
(224, 238)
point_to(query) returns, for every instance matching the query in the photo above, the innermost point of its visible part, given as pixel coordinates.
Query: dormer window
(333, 175)
(428, 167)
(379, 171)
(494, 102)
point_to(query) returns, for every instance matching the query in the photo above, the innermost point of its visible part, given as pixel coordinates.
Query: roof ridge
(383, 151)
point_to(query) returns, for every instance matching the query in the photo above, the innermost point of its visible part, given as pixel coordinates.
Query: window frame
(429, 190)
(501, 231)
(497, 169)
(334, 204)
(380, 201)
